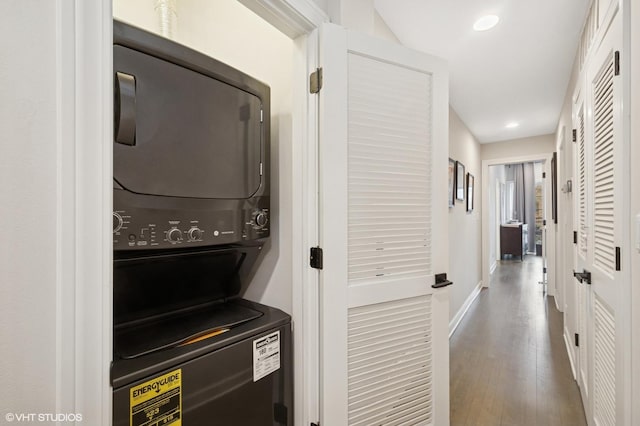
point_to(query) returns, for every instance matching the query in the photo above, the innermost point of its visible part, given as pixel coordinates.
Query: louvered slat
(603, 169)
(588, 32)
(582, 201)
(389, 150)
(389, 363)
(604, 395)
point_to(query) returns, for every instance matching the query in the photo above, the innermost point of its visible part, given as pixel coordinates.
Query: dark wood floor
(509, 364)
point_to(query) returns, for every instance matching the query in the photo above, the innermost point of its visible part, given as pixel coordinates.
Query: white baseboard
(557, 305)
(494, 265)
(567, 342)
(453, 324)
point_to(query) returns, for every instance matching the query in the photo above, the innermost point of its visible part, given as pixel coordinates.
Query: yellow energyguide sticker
(157, 402)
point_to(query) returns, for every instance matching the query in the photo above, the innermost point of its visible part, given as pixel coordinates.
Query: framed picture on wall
(452, 182)
(460, 181)
(470, 185)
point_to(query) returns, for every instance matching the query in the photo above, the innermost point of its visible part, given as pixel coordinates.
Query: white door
(600, 206)
(383, 217)
(581, 221)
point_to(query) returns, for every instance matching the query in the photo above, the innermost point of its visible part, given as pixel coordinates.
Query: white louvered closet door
(604, 221)
(581, 219)
(605, 88)
(383, 158)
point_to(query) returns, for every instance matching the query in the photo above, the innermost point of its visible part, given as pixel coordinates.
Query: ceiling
(516, 72)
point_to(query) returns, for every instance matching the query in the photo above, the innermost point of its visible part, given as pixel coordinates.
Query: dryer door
(181, 133)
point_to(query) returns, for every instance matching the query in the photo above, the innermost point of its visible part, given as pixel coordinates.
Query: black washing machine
(189, 352)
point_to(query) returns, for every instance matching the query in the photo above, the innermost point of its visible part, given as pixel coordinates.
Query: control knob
(195, 234)
(261, 218)
(174, 235)
(117, 222)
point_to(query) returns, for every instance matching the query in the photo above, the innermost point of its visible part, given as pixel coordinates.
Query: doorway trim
(84, 96)
(300, 20)
(85, 283)
(486, 229)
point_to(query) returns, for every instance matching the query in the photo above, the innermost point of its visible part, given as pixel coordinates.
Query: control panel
(149, 229)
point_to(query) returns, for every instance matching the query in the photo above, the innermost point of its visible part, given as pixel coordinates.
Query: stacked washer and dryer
(191, 215)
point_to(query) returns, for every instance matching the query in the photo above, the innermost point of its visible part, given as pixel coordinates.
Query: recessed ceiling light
(486, 23)
(512, 125)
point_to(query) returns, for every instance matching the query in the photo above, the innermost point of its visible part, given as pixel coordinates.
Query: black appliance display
(191, 147)
(191, 214)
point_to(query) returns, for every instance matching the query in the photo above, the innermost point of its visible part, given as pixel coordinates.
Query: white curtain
(524, 199)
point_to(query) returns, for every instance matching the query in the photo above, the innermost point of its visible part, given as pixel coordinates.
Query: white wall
(29, 176)
(381, 29)
(465, 246)
(323, 4)
(353, 14)
(231, 33)
(358, 15)
(544, 144)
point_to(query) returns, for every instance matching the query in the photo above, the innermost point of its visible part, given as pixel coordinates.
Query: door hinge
(575, 237)
(618, 266)
(544, 270)
(575, 135)
(544, 222)
(577, 339)
(544, 175)
(616, 63)
(261, 115)
(315, 258)
(315, 81)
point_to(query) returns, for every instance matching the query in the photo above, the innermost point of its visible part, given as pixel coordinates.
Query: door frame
(300, 20)
(550, 248)
(84, 92)
(84, 202)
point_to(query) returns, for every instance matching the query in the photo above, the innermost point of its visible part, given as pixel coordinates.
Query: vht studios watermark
(43, 417)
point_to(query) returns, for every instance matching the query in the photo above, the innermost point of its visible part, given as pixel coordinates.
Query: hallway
(509, 364)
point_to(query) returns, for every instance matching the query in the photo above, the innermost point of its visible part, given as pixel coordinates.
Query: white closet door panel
(604, 169)
(604, 205)
(589, 31)
(382, 290)
(583, 331)
(389, 191)
(384, 351)
(390, 379)
(604, 365)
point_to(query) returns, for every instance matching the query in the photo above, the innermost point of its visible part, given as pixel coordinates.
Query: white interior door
(605, 136)
(581, 220)
(600, 221)
(383, 227)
